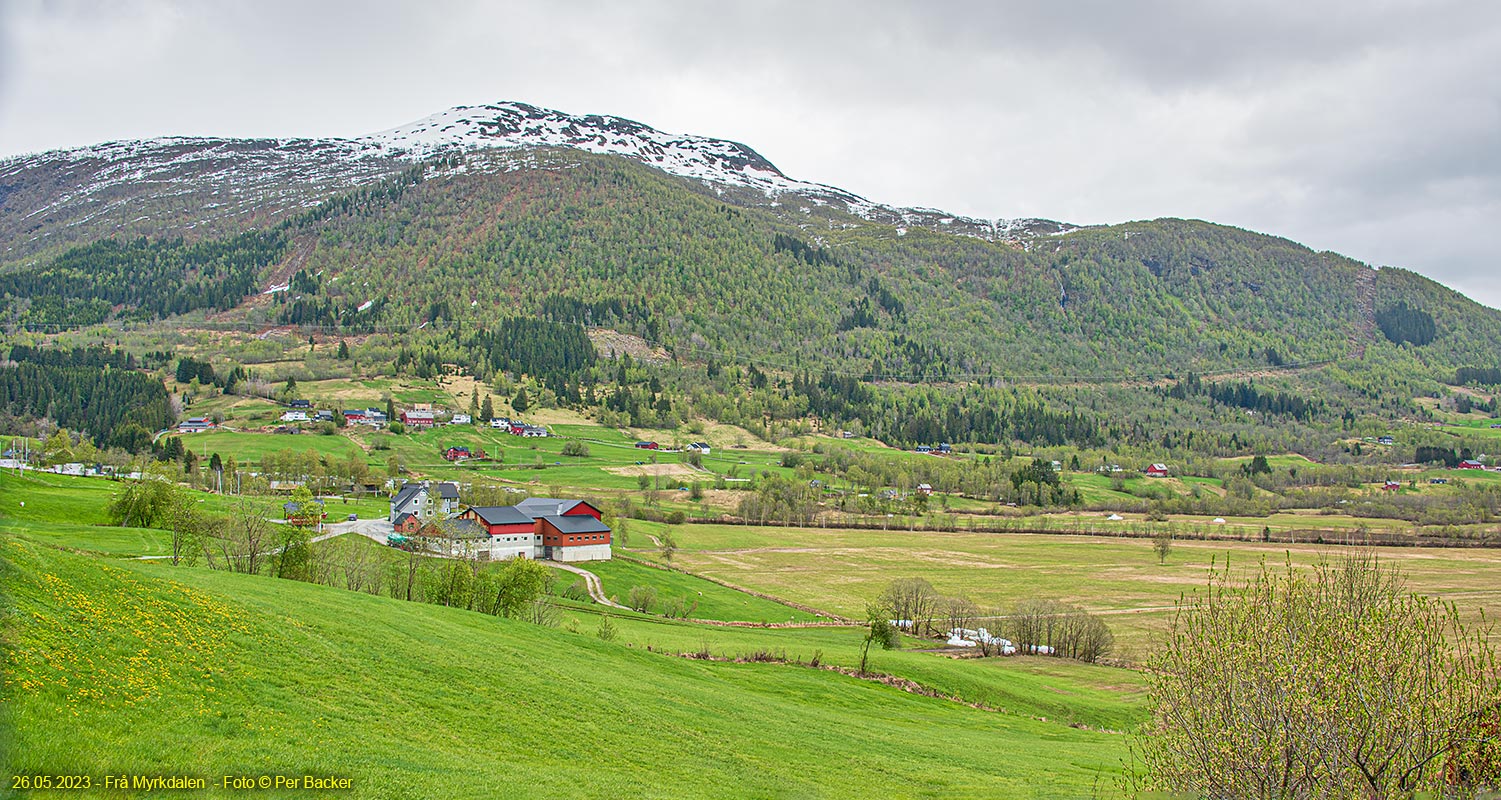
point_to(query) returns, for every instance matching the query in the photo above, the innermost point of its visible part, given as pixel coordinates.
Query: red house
(407, 524)
(1157, 471)
(1471, 464)
(646, 445)
(420, 418)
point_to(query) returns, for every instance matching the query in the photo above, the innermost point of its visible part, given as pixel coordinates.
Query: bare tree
(914, 602)
(1330, 682)
(240, 541)
(1048, 627)
(353, 556)
(960, 613)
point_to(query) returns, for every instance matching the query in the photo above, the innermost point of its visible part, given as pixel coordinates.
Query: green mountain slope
(603, 241)
(123, 667)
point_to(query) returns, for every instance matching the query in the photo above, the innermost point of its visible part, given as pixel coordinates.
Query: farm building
(406, 523)
(419, 418)
(1157, 471)
(541, 527)
(195, 425)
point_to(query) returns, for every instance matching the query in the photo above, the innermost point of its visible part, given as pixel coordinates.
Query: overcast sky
(1369, 127)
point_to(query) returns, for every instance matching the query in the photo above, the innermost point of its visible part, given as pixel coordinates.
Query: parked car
(353, 517)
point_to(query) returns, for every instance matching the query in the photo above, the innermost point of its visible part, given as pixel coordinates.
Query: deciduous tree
(1330, 682)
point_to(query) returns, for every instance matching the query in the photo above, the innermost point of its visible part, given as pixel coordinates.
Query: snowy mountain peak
(129, 187)
(510, 125)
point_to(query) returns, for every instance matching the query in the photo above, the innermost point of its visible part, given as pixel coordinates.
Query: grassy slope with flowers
(116, 665)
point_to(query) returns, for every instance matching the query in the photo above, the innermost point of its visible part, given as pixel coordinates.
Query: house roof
(462, 529)
(501, 515)
(408, 491)
(546, 506)
(576, 524)
(449, 491)
(401, 518)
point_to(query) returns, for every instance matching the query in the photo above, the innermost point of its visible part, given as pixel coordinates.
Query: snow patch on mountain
(223, 179)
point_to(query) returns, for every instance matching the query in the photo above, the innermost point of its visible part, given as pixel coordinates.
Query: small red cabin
(1157, 471)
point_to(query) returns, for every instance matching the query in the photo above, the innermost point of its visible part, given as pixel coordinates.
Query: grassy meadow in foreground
(135, 666)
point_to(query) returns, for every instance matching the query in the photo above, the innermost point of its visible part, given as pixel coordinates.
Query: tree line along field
(613, 465)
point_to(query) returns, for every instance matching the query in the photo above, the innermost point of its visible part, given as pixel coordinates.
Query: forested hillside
(601, 241)
(499, 262)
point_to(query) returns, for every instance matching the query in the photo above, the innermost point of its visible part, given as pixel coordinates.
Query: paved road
(376, 529)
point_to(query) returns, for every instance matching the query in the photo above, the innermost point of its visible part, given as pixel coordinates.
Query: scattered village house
(1157, 471)
(294, 513)
(420, 417)
(425, 501)
(375, 418)
(1471, 463)
(406, 523)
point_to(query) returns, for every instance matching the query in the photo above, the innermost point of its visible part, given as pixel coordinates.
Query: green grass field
(840, 570)
(713, 601)
(137, 667)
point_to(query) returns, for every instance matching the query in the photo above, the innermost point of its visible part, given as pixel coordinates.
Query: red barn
(1157, 471)
(419, 418)
(578, 537)
(500, 520)
(1471, 464)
